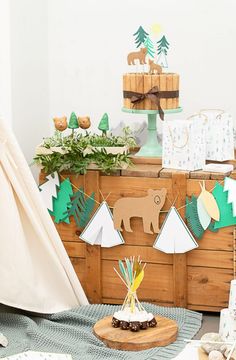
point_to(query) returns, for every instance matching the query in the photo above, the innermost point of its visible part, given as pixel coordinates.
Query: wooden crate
(198, 280)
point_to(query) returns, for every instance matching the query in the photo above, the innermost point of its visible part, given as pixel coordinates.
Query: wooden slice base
(202, 355)
(163, 334)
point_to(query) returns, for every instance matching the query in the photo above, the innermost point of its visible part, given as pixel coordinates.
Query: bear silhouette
(154, 68)
(137, 55)
(148, 208)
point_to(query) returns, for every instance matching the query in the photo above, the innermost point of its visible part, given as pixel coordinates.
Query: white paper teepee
(36, 273)
(48, 190)
(100, 229)
(174, 236)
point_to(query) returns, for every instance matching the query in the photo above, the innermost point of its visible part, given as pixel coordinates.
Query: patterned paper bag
(184, 144)
(219, 135)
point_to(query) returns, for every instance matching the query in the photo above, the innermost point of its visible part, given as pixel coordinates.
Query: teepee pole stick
(231, 351)
(121, 278)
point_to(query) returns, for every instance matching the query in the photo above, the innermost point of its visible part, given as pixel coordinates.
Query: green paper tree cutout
(104, 124)
(149, 46)
(162, 48)
(226, 210)
(80, 207)
(141, 35)
(60, 204)
(192, 217)
(73, 123)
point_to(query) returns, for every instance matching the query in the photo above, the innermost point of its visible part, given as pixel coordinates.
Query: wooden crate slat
(214, 259)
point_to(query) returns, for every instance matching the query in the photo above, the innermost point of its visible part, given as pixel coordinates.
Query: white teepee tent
(35, 271)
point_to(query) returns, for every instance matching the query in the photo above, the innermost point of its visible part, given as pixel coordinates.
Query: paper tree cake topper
(100, 229)
(145, 42)
(174, 236)
(148, 208)
(132, 315)
(230, 187)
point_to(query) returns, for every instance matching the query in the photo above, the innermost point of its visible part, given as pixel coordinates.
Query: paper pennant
(226, 210)
(230, 186)
(100, 229)
(174, 236)
(192, 218)
(209, 203)
(60, 204)
(81, 207)
(203, 215)
(48, 190)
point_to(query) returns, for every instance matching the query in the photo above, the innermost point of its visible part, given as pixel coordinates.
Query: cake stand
(152, 148)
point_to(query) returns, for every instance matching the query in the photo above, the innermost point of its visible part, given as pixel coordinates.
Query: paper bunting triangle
(100, 229)
(174, 236)
(192, 218)
(226, 210)
(203, 215)
(209, 203)
(230, 186)
(48, 190)
(60, 204)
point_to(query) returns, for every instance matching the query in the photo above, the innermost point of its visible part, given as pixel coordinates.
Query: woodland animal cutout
(137, 55)
(154, 68)
(148, 208)
(84, 122)
(60, 123)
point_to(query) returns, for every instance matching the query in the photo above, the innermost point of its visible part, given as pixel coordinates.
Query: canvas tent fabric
(36, 273)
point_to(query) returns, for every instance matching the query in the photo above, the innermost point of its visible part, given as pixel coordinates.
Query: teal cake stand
(152, 148)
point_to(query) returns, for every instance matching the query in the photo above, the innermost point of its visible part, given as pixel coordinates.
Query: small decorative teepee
(132, 276)
(100, 229)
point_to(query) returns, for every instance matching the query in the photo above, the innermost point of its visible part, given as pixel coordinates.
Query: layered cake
(146, 91)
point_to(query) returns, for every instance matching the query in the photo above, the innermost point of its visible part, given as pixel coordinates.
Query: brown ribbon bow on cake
(154, 95)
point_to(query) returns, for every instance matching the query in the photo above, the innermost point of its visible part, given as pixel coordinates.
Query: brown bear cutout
(154, 68)
(148, 208)
(60, 123)
(84, 122)
(137, 55)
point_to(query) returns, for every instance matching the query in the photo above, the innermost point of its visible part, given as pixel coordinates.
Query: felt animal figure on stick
(154, 68)
(60, 123)
(137, 55)
(84, 122)
(73, 123)
(104, 124)
(148, 208)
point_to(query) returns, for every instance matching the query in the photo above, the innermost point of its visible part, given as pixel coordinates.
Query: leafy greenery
(75, 159)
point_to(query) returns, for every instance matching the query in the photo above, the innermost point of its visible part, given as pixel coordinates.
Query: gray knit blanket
(71, 332)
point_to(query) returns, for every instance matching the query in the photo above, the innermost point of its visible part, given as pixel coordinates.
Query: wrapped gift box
(219, 135)
(184, 144)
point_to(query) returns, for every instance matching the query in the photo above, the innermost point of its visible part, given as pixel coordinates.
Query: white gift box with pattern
(227, 327)
(219, 135)
(184, 144)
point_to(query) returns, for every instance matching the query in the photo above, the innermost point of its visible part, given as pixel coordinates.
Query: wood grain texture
(179, 188)
(142, 170)
(93, 253)
(162, 335)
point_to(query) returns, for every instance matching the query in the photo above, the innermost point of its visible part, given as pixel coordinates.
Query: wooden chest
(198, 280)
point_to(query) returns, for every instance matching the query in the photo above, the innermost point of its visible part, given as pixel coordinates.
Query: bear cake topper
(153, 45)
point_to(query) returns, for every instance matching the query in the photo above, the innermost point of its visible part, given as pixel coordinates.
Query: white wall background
(58, 56)
(89, 41)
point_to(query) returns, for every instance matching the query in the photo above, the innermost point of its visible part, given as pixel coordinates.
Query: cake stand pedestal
(163, 334)
(152, 148)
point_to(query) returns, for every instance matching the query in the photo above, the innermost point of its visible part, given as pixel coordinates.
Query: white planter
(115, 150)
(41, 150)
